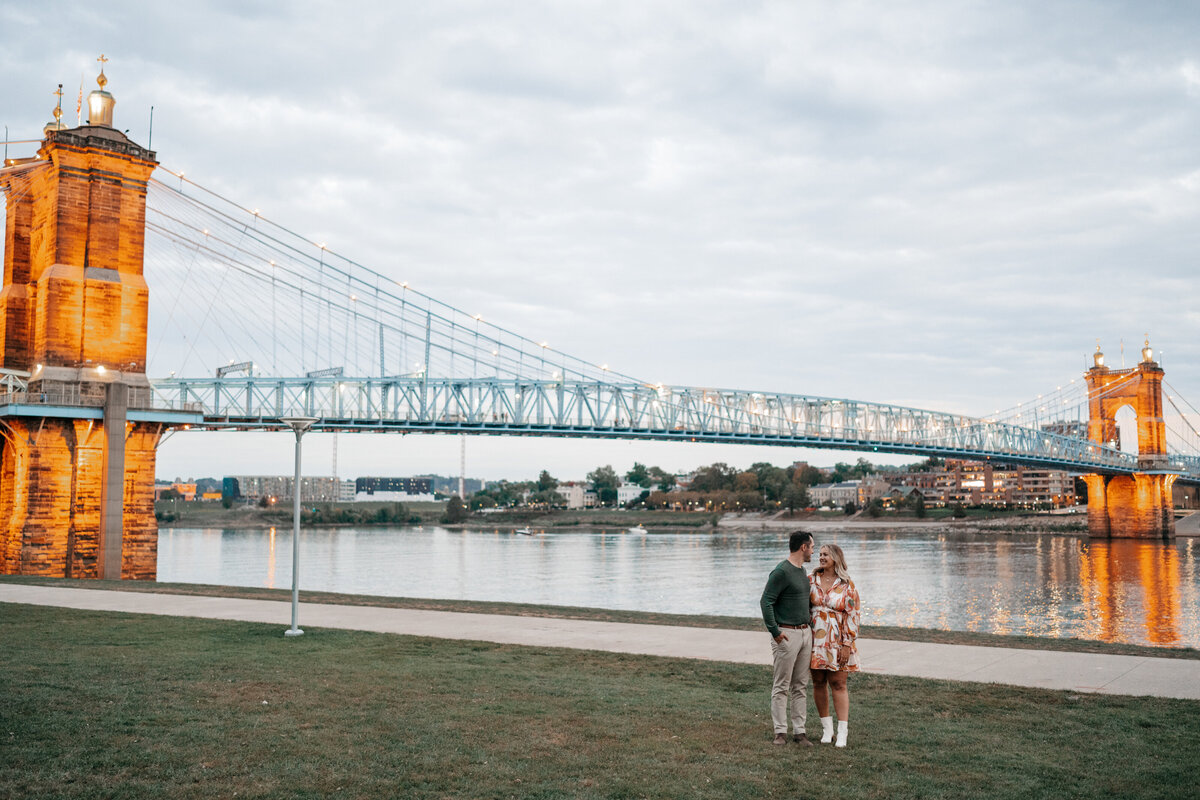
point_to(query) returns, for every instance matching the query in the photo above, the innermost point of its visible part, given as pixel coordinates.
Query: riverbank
(1007, 523)
(213, 515)
(179, 707)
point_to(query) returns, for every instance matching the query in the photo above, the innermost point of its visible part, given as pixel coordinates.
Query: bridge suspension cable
(293, 305)
(1187, 440)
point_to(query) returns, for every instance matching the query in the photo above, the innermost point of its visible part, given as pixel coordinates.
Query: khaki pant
(792, 658)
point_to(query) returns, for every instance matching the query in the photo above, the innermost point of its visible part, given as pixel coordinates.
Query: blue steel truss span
(628, 411)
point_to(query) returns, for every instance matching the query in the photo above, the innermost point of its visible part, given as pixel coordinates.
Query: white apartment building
(627, 492)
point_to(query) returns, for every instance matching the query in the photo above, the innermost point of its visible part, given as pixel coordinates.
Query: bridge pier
(1137, 506)
(52, 500)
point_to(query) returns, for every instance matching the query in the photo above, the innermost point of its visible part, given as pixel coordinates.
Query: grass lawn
(612, 615)
(114, 705)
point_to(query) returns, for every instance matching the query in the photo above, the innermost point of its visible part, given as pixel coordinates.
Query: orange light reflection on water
(1124, 578)
(271, 560)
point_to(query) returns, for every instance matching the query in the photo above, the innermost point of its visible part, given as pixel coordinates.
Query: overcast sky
(940, 205)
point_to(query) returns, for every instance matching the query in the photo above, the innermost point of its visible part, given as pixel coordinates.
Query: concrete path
(1079, 672)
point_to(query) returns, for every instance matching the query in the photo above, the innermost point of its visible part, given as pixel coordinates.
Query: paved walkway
(1079, 672)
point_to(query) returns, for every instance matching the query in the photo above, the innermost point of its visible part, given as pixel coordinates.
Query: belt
(793, 627)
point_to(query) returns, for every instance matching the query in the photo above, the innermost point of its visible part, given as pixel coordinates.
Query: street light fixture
(299, 426)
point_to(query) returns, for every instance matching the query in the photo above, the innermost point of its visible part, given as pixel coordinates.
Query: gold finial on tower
(1098, 357)
(100, 102)
(1147, 352)
(57, 124)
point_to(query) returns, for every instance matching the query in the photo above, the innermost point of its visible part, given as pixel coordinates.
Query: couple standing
(813, 624)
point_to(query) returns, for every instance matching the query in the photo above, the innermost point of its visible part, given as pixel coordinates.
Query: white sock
(826, 730)
(843, 725)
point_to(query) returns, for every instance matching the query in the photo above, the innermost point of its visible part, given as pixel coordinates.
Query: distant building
(984, 482)
(256, 487)
(871, 488)
(439, 484)
(836, 493)
(627, 492)
(906, 494)
(683, 481)
(187, 491)
(573, 493)
(402, 489)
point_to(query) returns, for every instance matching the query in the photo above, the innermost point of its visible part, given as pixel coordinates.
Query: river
(1035, 584)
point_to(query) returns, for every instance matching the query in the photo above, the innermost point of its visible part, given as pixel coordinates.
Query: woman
(835, 616)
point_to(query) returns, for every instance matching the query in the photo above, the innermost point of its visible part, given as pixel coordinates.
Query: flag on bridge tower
(79, 103)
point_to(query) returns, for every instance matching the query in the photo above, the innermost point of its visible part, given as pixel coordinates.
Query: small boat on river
(524, 531)
(639, 528)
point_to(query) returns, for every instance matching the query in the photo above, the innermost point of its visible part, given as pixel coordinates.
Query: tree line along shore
(213, 515)
(716, 495)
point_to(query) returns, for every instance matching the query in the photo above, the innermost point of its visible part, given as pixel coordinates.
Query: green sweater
(785, 598)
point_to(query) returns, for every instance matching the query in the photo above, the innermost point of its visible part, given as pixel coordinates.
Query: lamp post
(299, 426)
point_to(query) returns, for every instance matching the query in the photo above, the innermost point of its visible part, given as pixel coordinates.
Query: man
(786, 614)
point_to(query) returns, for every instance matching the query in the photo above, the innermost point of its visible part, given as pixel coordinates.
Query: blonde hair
(839, 561)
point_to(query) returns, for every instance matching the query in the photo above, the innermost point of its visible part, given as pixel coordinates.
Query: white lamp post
(299, 426)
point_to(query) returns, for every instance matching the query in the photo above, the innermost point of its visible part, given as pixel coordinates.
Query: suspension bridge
(315, 334)
(93, 221)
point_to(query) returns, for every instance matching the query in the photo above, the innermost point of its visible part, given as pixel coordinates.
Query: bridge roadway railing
(623, 410)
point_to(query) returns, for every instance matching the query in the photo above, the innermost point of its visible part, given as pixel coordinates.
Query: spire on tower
(100, 102)
(57, 124)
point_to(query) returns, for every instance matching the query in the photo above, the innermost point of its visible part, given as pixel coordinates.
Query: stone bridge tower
(1138, 505)
(78, 440)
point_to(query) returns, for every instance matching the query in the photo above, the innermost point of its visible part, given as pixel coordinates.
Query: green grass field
(126, 706)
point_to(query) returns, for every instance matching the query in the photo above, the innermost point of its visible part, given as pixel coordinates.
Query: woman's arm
(853, 615)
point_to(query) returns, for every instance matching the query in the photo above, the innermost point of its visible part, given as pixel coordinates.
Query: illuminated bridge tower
(1138, 505)
(78, 438)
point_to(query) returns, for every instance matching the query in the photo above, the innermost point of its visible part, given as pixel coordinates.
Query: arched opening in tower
(1127, 429)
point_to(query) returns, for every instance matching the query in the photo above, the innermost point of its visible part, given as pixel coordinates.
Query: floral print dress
(835, 618)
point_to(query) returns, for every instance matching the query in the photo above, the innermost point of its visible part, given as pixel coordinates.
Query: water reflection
(1043, 585)
(1122, 580)
(270, 582)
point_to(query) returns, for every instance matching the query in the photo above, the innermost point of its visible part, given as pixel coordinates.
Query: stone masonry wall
(140, 557)
(74, 296)
(50, 500)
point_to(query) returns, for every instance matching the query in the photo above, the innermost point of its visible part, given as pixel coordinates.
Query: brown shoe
(802, 740)
(780, 738)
